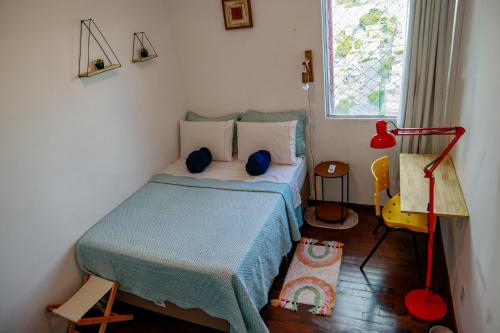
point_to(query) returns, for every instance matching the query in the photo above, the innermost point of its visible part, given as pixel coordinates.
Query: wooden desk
(449, 200)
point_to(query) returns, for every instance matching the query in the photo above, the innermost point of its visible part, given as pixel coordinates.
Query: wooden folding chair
(85, 299)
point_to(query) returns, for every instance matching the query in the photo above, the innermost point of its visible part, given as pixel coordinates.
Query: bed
(205, 248)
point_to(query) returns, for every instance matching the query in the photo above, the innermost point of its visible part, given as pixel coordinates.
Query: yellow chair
(391, 216)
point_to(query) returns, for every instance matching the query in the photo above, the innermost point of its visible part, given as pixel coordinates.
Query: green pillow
(266, 117)
(191, 116)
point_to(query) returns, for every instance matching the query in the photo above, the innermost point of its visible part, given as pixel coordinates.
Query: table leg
(342, 201)
(316, 195)
(347, 189)
(322, 189)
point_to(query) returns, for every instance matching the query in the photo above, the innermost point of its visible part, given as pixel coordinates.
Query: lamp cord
(310, 150)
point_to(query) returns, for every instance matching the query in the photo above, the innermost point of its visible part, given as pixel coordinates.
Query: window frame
(325, 5)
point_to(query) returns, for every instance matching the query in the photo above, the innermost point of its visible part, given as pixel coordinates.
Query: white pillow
(278, 138)
(217, 136)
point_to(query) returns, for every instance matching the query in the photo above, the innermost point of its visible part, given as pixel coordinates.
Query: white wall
(72, 149)
(472, 246)
(260, 68)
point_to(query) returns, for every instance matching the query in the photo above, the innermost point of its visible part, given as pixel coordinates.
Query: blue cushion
(198, 160)
(191, 116)
(300, 116)
(258, 163)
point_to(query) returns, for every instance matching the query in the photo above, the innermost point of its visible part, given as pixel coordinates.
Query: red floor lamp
(423, 304)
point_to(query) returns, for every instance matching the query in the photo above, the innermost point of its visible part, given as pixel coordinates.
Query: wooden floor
(369, 302)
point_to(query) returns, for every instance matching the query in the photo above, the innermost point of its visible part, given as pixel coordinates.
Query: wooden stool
(86, 298)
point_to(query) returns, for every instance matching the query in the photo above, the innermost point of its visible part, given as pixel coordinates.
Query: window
(364, 56)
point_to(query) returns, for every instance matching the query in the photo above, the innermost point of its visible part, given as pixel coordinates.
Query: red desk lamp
(423, 304)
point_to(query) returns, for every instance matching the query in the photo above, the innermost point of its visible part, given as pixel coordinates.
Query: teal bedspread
(198, 243)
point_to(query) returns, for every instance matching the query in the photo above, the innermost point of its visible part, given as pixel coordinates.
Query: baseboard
(312, 203)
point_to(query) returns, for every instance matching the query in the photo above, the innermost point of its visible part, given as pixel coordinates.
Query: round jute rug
(350, 221)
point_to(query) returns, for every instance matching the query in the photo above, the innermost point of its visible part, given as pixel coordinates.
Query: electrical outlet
(462, 294)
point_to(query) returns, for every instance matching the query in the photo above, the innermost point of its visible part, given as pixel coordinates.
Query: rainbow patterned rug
(312, 277)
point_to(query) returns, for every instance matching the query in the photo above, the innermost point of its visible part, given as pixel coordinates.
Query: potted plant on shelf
(144, 52)
(99, 64)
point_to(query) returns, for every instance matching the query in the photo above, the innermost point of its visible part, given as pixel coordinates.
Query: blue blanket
(198, 243)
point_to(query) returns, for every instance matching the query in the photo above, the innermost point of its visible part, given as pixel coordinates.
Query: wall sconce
(307, 73)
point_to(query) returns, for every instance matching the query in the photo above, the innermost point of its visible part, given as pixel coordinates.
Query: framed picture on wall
(237, 14)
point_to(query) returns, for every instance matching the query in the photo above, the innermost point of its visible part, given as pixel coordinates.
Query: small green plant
(144, 52)
(99, 63)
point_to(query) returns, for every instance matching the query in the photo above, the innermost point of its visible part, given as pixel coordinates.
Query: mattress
(293, 175)
(198, 243)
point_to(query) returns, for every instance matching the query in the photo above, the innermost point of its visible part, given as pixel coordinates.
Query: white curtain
(432, 43)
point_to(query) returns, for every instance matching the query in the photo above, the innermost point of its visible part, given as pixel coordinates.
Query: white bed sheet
(293, 175)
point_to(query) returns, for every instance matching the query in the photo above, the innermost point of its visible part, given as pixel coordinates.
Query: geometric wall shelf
(142, 49)
(96, 55)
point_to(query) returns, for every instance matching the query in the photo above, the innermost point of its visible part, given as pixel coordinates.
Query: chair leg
(380, 224)
(387, 230)
(420, 272)
(109, 305)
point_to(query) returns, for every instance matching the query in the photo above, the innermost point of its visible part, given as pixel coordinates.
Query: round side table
(329, 211)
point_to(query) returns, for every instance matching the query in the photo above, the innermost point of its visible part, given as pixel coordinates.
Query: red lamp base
(425, 305)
